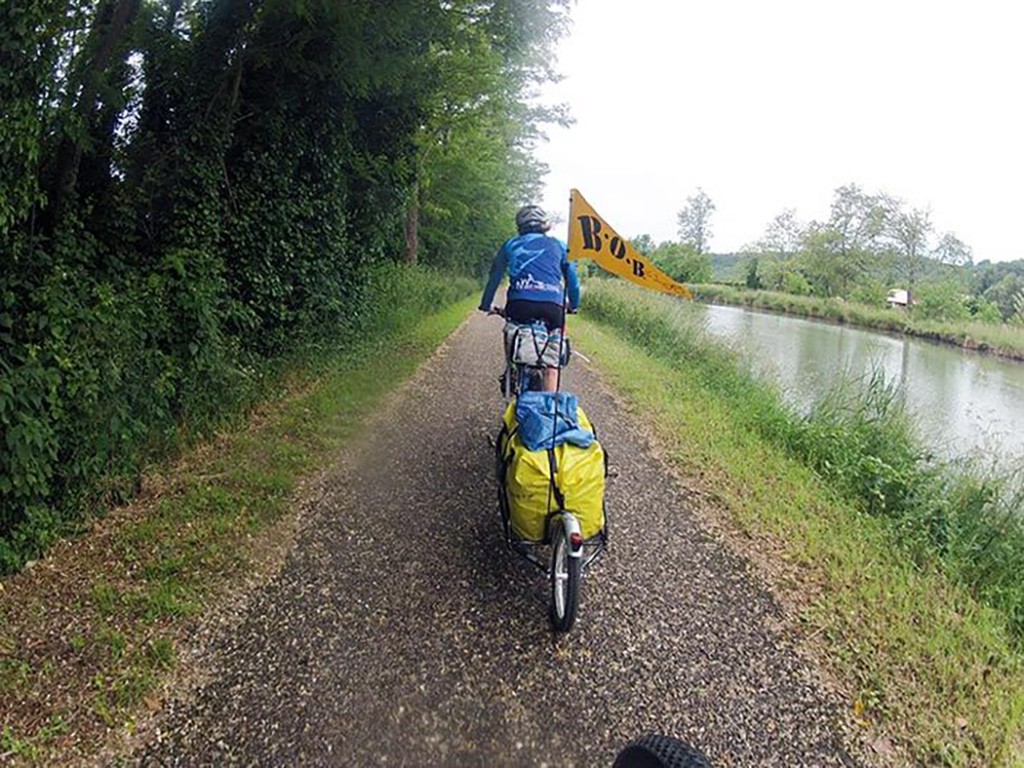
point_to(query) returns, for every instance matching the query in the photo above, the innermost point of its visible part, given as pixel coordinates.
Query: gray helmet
(531, 218)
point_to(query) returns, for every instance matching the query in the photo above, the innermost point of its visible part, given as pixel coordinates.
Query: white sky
(773, 104)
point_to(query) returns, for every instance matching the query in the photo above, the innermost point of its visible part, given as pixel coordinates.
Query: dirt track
(400, 632)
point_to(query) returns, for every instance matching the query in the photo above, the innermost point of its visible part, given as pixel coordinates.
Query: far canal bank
(1003, 341)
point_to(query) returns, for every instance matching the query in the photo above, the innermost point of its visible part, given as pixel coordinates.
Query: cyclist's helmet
(531, 218)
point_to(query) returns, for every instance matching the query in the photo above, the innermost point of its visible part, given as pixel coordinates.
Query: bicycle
(571, 553)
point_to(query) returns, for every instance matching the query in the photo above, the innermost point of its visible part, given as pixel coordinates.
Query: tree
(768, 258)
(681, 261)
(953, 251)
(695, 221)
(822, 262)
(983, 311)
(644, 244)
(941, 300)
(753, 276)
(1004, 294)
(474, 159)
(858, 218)
(192, 189)
(909, 231)
(857, 221)
(837, 255)
(871, 291)
(782, 236)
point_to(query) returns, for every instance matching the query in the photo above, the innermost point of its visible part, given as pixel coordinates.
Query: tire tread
(657, 751)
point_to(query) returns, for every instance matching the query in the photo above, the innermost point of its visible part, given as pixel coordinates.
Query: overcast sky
(773, 104)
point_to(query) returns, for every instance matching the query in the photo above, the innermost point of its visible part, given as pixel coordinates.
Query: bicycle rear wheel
(565, 576)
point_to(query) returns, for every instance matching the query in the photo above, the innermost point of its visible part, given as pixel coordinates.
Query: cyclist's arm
(572, 283)
(498, 267)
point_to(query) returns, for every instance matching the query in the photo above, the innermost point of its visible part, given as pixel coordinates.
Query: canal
(966, 404)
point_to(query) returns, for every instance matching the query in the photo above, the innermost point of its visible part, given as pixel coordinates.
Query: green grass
(12, 746)
(163, 566)
(1005, 340)
(907, 577)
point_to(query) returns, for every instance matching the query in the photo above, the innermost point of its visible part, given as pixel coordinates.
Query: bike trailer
(525, 476)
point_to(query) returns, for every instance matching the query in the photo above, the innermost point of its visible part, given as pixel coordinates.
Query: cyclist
(540, 276)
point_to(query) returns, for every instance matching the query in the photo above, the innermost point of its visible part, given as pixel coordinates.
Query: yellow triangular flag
(591, 237)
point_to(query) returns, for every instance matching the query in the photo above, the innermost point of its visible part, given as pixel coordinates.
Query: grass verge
(1003, 340)
(898, 622)
(89, 634)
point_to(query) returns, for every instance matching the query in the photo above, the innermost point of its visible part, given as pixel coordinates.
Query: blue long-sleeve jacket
(537, 265)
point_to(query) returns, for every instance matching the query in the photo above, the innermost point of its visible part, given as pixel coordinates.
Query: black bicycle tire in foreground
(656, 751)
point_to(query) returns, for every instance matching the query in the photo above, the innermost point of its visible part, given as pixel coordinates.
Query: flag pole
(558, 378)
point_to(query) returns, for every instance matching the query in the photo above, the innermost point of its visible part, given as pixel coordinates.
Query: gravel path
(400, 632)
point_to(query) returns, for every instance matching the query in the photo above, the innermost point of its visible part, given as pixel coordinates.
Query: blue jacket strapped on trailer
(536, 265)
(547, 419)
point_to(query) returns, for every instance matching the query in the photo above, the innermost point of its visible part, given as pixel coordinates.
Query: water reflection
(964, 403)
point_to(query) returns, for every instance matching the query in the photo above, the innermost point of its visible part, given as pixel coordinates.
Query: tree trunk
(108, 29)
(911, 274)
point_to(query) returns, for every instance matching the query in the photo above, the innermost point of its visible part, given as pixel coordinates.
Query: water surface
(965, 403)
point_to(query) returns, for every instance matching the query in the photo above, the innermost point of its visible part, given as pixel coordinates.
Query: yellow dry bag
(525, 477)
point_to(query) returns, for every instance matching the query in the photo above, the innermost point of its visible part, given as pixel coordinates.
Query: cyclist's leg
(552, 316)
(550, 380)
(525, 312)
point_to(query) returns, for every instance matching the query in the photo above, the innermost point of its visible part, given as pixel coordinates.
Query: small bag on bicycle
(534, 345)
(525, 476)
